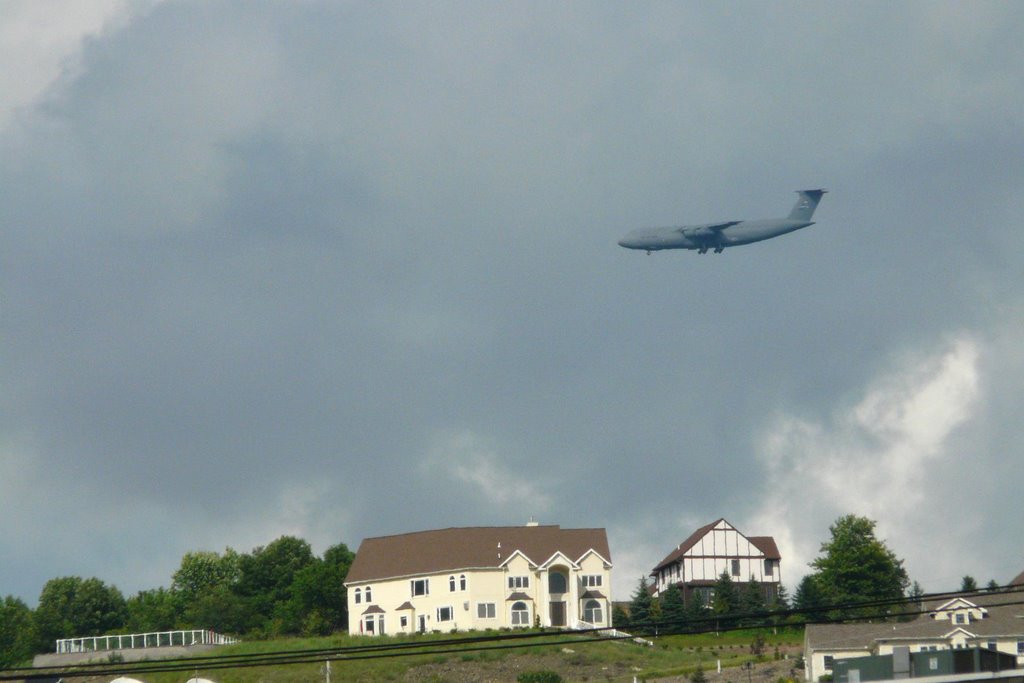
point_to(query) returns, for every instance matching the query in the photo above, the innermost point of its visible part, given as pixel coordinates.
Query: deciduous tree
(17, 634)
(70, 607)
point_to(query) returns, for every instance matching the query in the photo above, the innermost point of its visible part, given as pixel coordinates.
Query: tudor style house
(479, 578)
(697, 563)
(994, 621)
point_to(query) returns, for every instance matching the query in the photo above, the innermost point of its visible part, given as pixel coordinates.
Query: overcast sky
(341, 270)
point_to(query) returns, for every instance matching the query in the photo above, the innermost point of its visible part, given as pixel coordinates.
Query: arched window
(368, 598)
(359, 596)
(592, 612)
(462, 582)
(520, 614)
(556, 582)
(451, 583)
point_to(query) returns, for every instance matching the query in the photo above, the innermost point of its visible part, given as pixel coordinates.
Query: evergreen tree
(809, 599)
(992, 585)
(697, 612)
(673, 611)
(780, 599)
(916, 598)
(752, 600)
(855, 567)
(968, 584)
(620, 617)
(725, 602)
(640, 604)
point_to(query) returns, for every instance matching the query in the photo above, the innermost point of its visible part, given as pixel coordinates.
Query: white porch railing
(140, 640)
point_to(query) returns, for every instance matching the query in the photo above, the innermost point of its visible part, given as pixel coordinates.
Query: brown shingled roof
(1019, 580)
(458, 549)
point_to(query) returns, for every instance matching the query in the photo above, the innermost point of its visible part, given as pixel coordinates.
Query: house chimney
(532, 521)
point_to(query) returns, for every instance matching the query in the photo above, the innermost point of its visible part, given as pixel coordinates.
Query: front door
(421, 623)
(558, 614)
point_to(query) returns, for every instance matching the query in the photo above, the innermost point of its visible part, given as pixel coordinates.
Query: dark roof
(1018, 580)
(1001, 620)
(690, 541)
(373, 609)
(518, 596)
(592, 594)
(766, 544)
(465, 548)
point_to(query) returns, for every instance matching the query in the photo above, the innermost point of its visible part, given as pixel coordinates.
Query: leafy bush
(539, 677)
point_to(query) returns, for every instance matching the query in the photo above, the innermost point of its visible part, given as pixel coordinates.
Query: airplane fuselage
(719, 236)
(701, 237)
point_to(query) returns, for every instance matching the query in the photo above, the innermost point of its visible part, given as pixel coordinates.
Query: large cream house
(480, 578)
(696, 564)
(989, 620)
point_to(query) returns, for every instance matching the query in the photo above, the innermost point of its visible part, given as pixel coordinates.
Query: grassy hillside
(574, 657)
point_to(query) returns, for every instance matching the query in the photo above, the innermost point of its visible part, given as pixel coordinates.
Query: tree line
(854, 566)
(278, 589)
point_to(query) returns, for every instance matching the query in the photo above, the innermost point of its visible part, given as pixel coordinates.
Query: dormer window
(961, 618)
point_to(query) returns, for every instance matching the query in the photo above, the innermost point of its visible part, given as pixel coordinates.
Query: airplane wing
(706, 231)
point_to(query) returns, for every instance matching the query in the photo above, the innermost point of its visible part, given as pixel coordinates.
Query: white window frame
(426, 587)
(520, 617)
(359, 596)
(463, 582)
(451, 614)
(451, 583)
(519, 582)
(489, 609)
(589, 612)
(592, 580)
(367, 595)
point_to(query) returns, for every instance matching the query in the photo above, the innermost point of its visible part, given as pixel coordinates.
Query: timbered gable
(713, 549)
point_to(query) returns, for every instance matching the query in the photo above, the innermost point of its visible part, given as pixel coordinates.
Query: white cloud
(871, 459)
(44, 39)
(479, 468)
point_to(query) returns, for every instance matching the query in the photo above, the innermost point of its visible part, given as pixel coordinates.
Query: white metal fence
(139, 640)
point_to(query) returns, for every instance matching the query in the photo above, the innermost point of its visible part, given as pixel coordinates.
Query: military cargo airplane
(718, 236)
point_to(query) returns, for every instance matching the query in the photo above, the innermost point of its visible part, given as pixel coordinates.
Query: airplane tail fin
(806, 204)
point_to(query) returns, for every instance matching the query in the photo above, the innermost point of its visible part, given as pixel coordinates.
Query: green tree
(752, 601)
(697, 610)
(202, 571)
(71, 607)
(809, 599)
(620, 617)
(223, 610)
(640, 604)
(318, 602)
(673, 610)
(916, 596)
(992, 585)
(968, 584)
(17, 632)
(266, 577)
(856, 567)
(726, 601)
(780, 599)
(154, 610)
